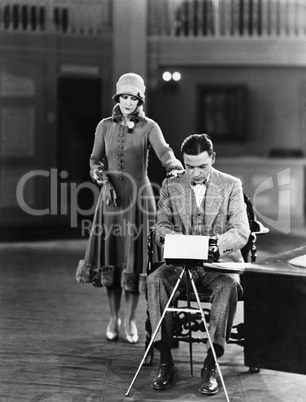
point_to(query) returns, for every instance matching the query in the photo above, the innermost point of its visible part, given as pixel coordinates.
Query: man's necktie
(200, 184)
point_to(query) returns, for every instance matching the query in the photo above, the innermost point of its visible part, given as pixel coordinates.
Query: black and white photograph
(152, 200)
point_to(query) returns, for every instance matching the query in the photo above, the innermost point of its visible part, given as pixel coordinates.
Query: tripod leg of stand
(155, 332)
(189, 324)
(208, 335)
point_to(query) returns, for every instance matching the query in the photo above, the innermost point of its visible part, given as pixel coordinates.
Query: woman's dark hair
(195, 144)
(116, 99)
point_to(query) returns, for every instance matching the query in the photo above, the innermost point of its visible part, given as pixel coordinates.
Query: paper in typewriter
(186, 247)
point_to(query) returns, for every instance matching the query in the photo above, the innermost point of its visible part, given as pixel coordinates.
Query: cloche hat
(131, 84)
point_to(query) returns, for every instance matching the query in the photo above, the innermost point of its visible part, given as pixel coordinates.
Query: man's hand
(213, 250)
(161, 240)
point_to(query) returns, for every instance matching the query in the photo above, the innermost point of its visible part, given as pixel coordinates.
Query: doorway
(79, 111)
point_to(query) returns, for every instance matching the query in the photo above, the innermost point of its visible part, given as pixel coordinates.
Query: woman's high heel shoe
(133, 336)
(113, 336)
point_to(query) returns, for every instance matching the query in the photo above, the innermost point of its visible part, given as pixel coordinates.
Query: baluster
(244, 14)
(100, 19)
(17, 17)
(255, 18)
(265, 17)
(250, 20)
(59, 19)
(200, 19)
(97, 14)
(50, 17)
(204, 18)
(2, 17)
(65, 19)
(192, 18)
(172, 10)
(163, 19)
(33, 17)
(28, 18)
(216, 17)
(86, 21)
(300, 18)
(42, 13)
(291, 17)
(227, 19)
(210, 20)
(188, 23)
(11, 17)
(5, 16)
(236, 19)
(195, 18)
(77, 19)
(303, 18)
(283, 18)
(240, 17)
(81, 21)
(296, 17)
(21, 17)
(91, 25)
(72, 12)
(276, 18)
(80, 26)
(68, 10)
(259, 17)
(220, 29)
(3, 22)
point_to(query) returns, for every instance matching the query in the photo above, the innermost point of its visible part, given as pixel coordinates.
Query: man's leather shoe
(209, 385)
(164, 377)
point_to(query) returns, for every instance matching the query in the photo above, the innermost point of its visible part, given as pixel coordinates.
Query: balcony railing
(227, 18)
(170, 18)
(88, 17)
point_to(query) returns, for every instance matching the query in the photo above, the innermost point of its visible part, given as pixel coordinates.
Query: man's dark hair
(195, 144)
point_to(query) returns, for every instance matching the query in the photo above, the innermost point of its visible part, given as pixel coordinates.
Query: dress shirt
(199, 191)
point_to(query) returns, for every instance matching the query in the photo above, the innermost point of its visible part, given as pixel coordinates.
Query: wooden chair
(186, 325)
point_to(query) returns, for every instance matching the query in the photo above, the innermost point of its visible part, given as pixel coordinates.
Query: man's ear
(213, 158)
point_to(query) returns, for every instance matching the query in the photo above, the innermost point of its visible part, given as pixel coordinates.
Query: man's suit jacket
(225, 212)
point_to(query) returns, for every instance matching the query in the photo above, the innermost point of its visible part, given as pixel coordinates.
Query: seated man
(202, 201)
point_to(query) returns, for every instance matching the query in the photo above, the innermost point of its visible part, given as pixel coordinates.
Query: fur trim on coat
(135, 283)
(111, 276)
(107, 275)
(88, 273)
(83, 272)
(134, 117)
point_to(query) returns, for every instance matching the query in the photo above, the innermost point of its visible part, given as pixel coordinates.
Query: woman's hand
(175, 172)
(109, 194)
(174, 168)
(97, 174)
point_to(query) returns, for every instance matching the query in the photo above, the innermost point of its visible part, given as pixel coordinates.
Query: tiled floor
(53, 346)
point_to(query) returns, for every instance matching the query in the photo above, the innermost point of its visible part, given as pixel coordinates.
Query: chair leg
(148, 361)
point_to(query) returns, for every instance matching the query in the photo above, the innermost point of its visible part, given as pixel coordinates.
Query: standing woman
(116, 254)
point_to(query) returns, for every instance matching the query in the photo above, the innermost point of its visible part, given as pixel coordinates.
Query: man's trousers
(226, 291)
